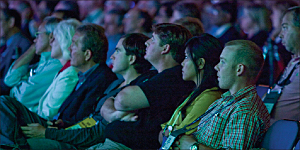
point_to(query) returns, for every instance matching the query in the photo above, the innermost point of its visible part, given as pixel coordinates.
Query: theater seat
(297, 147)
(283, 134)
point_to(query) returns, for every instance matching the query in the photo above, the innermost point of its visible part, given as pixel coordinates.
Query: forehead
(228, 53)
(120, 45)
(287, 18)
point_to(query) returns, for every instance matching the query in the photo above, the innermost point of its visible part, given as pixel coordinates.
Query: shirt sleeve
(60, 91)
(14, 76)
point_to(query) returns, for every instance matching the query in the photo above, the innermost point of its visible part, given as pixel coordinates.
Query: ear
(132, 59)
(240, 69)
(88, 55)
(11, 22)
(166, 49)
(201, 63)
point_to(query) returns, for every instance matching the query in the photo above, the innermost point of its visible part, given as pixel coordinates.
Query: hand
(130, 117)
(185, 142)
(34, 130)
(55, 123)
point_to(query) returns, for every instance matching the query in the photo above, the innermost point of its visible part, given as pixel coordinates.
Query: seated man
(154, 100)
(239, 119)
(89, 57)
(288, 105)
(128, 61)
(16, 43)
(26, 80)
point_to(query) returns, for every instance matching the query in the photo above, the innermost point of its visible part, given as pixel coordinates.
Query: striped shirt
(236, 121)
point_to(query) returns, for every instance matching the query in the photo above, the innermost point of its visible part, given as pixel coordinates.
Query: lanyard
(170, 127)
(168, 142)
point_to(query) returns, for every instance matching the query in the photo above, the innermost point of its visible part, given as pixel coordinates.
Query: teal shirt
(28, 89)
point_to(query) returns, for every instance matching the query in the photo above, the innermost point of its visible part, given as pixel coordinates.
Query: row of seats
(283, 135)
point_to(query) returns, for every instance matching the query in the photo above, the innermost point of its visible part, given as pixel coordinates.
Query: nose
(216, 67)
(35, 40)
(182, 64)
(112, 57)
(280, 34)
(147, 43)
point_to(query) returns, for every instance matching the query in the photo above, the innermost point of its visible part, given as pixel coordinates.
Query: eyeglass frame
(38, 33)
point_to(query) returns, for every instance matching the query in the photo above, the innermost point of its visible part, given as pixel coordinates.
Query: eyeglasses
(38, 33)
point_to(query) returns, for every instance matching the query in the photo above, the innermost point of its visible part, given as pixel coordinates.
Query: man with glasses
(29, 83)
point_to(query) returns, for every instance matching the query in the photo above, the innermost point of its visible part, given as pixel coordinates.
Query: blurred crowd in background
(257, 20)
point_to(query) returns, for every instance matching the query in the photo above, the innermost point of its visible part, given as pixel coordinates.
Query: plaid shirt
(236, 121)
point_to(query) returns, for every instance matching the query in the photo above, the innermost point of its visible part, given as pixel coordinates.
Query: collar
(240, 94)
(45, 56)
(82, 76)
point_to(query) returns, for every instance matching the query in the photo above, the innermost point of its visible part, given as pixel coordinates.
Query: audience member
(239, 119)
(25, 79)
(288, 105)
(278, 9)
(41, 9)
(201, 55)
(68, 8)
(93, 81)
(184, 9)
(117, 5)
(137, 21)
(114, 30)
(26, 12)
(256, 23)
(150, 6)
(223, 17)
(194, 25)
(91, 11)
(16, 43)
(63, 84)
(164, 13)
(154, 100)
(3, 4)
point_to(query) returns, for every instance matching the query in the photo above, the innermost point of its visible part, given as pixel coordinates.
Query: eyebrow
(284, 24)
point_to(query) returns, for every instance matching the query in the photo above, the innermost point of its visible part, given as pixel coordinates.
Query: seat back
(297, 147)
(283, 134)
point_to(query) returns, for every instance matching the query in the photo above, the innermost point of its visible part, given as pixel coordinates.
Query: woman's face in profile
(188, 68)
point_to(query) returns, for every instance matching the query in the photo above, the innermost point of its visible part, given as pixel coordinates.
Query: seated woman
(128, 61)
(14, 114)
(67, 78)
(202, 54)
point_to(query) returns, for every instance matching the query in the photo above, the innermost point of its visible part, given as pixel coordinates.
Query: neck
(86, 66)
(62, 61)
(242, 83)
(200, 79)
(130, 75)
(253, 31)
(165, 63)
(297, 54)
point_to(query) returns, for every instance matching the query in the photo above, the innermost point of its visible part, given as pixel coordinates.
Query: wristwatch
(194, 146)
